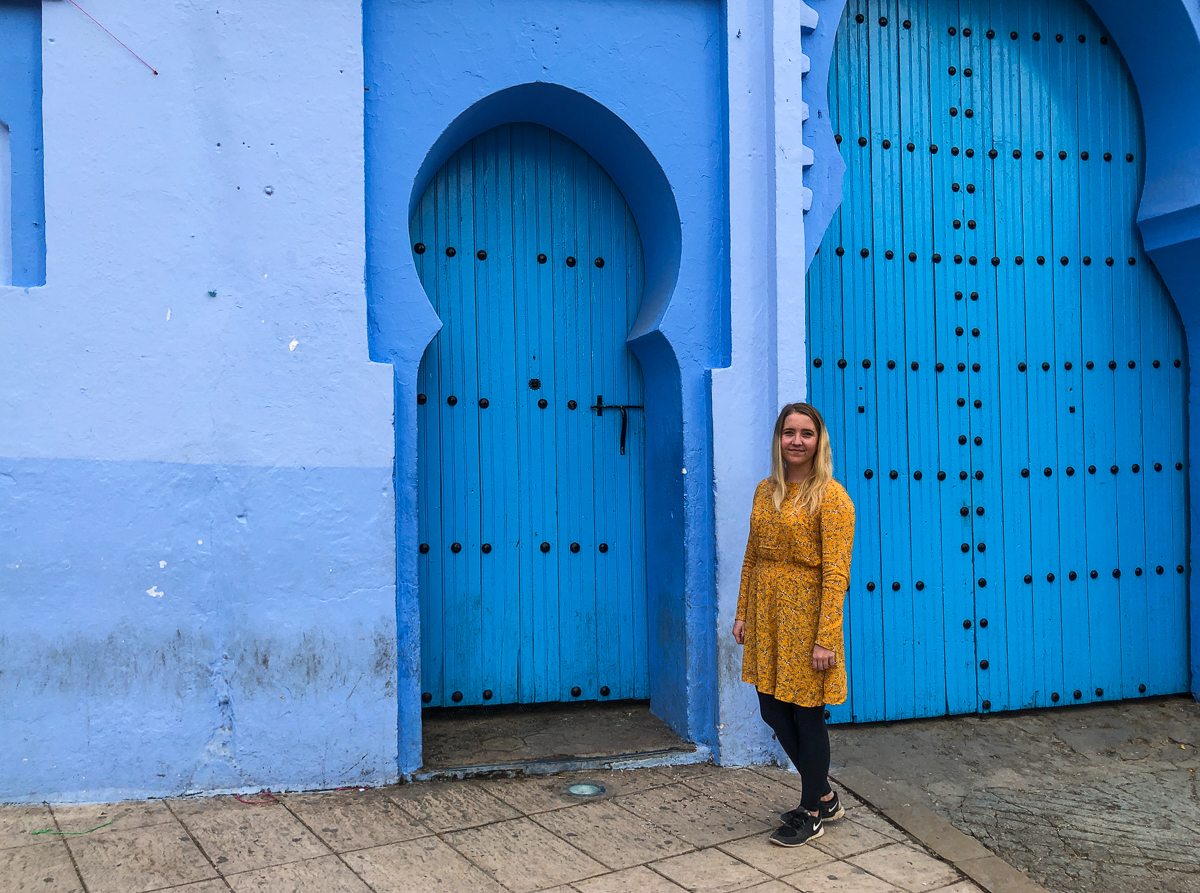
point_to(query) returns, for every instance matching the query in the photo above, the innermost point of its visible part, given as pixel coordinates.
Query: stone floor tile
(530, 796)
(46, 868)
(838, 877)
(418, 866)
(326, 874)
(139, 859)
(781, 775)
(533, 795)
(671, 774)
(612, 835)
(124, 816)
(747, 791)
(962, 887)
(906, 867)
(451, 806)
(351, 820)
(239, 837)
(641, 879)
(776, 861)
(710, 871)
(848, 838)
(849, 800)
(792, 779)
(523, 856)
(876, 823)
(17, 824)
(692, 816)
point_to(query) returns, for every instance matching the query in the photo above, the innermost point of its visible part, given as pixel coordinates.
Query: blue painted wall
(640, 87)
(207, 574)
(21, 113)
(197, 555)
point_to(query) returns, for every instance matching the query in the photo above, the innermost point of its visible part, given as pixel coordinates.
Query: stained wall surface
(197, 566)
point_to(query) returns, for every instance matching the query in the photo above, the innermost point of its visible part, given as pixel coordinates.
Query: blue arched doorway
(531, 493)
(1005, 366)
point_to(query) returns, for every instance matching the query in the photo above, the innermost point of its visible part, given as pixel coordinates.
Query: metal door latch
(600, 406)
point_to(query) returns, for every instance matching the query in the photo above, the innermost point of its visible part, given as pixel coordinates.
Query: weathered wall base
(170, 628)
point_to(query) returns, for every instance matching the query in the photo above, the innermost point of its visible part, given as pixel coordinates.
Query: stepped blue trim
(21, 111)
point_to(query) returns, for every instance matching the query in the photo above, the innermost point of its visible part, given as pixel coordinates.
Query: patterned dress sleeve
(837, 545)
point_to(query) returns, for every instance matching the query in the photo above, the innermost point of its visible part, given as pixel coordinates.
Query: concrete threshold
(648, 759)
(902, 805)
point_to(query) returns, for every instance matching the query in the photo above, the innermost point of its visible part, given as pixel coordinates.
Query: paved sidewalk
(698, 828)
(1084, 799)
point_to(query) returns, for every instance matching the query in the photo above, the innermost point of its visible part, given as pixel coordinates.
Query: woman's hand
(739, 631)
(823, 658)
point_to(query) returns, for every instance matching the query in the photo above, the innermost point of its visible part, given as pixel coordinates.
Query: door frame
(680, 604)
(568, 297)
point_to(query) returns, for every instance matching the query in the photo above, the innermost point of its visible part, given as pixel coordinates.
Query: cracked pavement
(1089, 799)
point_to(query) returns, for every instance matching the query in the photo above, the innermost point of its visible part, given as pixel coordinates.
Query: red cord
(270, 798)
(114, 37)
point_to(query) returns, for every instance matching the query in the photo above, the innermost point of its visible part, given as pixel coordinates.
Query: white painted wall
(767, 198)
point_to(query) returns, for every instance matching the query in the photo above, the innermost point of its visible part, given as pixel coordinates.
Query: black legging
(805, 739)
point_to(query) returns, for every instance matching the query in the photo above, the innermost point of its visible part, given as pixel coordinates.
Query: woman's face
(798, 443)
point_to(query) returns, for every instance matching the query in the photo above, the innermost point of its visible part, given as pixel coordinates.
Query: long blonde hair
(811, 490)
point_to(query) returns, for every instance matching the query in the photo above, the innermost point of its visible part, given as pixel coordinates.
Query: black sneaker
(830, 810)
(803, 828)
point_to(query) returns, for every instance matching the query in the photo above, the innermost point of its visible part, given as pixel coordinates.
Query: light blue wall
(197, 553)
(21, 113)
(640, 87)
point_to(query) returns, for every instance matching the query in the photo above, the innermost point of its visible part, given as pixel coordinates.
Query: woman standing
(789, 613)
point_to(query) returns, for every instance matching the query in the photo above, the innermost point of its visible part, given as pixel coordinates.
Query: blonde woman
(789, 613)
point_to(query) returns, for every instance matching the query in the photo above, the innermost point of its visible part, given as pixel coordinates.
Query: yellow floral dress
(794, 581)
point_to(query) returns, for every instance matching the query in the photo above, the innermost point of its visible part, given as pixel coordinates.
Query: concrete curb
(902, 805)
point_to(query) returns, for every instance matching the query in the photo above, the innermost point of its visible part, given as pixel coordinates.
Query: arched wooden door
(1001, 365)
(531, 492)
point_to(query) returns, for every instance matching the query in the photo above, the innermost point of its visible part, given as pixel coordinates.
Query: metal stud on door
(544, 597)
(977, 335)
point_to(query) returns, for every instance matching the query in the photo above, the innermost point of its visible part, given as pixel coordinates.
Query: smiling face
(798, 444)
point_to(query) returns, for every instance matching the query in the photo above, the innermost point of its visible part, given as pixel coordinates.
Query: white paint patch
(155, 592)
(162, 564)
(168, 314)
(292, 346)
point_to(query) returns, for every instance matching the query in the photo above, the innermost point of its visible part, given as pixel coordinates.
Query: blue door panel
(531, 502)
(1001, 366)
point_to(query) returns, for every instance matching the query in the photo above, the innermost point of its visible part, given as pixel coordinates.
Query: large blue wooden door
(531, 493)
(1003, 370)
